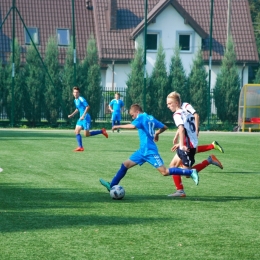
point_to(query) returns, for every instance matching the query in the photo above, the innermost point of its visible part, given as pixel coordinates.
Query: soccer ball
(117, 192)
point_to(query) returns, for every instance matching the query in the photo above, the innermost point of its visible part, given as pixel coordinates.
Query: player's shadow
(24, 209)
(140, 198)
(244, 172)
(27, 135)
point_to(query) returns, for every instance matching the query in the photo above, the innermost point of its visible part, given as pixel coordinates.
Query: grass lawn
(52, 205)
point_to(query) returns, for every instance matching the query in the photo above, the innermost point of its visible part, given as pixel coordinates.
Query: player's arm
(73, 113)
(85, 112)
(127, 126)
(110, 106)
(176, 138)
(181, 138)
(159, 131)
(197, 122)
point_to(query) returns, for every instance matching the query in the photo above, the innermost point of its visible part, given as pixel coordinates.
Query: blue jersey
(146, 125)
(116, 104)
(81, 104)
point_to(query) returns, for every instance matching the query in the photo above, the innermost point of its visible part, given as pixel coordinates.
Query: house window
(63, 36)
(185, 41)
(34, 35)
(152, 39)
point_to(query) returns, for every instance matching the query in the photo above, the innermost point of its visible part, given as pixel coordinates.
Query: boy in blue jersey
(115, 107)
(84, 121)
(148, 151)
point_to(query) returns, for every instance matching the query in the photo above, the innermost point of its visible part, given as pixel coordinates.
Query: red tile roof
(48, 15)
(117, 45)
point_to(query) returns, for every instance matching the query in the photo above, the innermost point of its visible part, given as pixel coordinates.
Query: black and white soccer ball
(117, 192)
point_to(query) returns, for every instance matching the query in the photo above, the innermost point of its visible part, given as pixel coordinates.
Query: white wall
(167, 23)
(215, 70)
(120, 75)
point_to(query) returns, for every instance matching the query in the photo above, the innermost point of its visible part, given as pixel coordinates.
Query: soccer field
(52, 205)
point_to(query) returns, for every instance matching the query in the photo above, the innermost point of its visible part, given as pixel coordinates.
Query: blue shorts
(85, 125)
(116, 116)
(187, 158)
(154, 159)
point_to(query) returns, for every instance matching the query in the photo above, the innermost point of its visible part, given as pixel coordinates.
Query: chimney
(112, 14)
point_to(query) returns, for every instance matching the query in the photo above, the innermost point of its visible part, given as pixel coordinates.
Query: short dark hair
(136, 107)
(76, 88)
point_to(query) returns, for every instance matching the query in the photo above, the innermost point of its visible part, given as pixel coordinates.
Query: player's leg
(212, 159)
(214, 145)
(88, 133)
(176, 162)
(187, 160)
(134, 159)
(118, 121)
(156, 161)
(113, 120)
(78, 137)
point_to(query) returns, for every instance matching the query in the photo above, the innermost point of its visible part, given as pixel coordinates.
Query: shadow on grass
(245, 172)
(10, 135)
(24, 209)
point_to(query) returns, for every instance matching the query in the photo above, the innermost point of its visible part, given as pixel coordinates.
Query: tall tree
(52, 92)
(159, 85)
(257, 77)
(177, 76)
(2, 87)
(34, 79)
(14, 106)
(227, 89)
(94, 89)
(198, 85)
(135, 80)
(68, 83)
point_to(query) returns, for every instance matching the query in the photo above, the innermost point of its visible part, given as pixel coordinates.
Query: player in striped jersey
(186, 140)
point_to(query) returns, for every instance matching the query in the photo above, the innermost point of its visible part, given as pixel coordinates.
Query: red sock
(200, 166)
(177, 182)
(204, 148)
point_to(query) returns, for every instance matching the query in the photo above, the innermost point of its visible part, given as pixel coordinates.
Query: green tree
(257, 77)
(198, 86)
(68, 83)
(159, 86)
(15, 93)
(135, 80)
(227, 89)
(52, 93)
(255, 15)
(94, 88)
(2, 87)
(34, 79)
(177, 77)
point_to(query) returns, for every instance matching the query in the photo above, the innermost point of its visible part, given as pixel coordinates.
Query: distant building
(118, 25)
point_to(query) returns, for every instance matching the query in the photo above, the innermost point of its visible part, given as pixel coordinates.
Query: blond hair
(175, 96)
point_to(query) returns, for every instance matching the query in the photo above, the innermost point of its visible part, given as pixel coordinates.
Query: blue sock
(179, 171)
(95, 132)
(79, 140)
(113, 123)
(119, 176)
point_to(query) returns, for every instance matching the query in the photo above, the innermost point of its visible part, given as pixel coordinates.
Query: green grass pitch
(52, 205)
